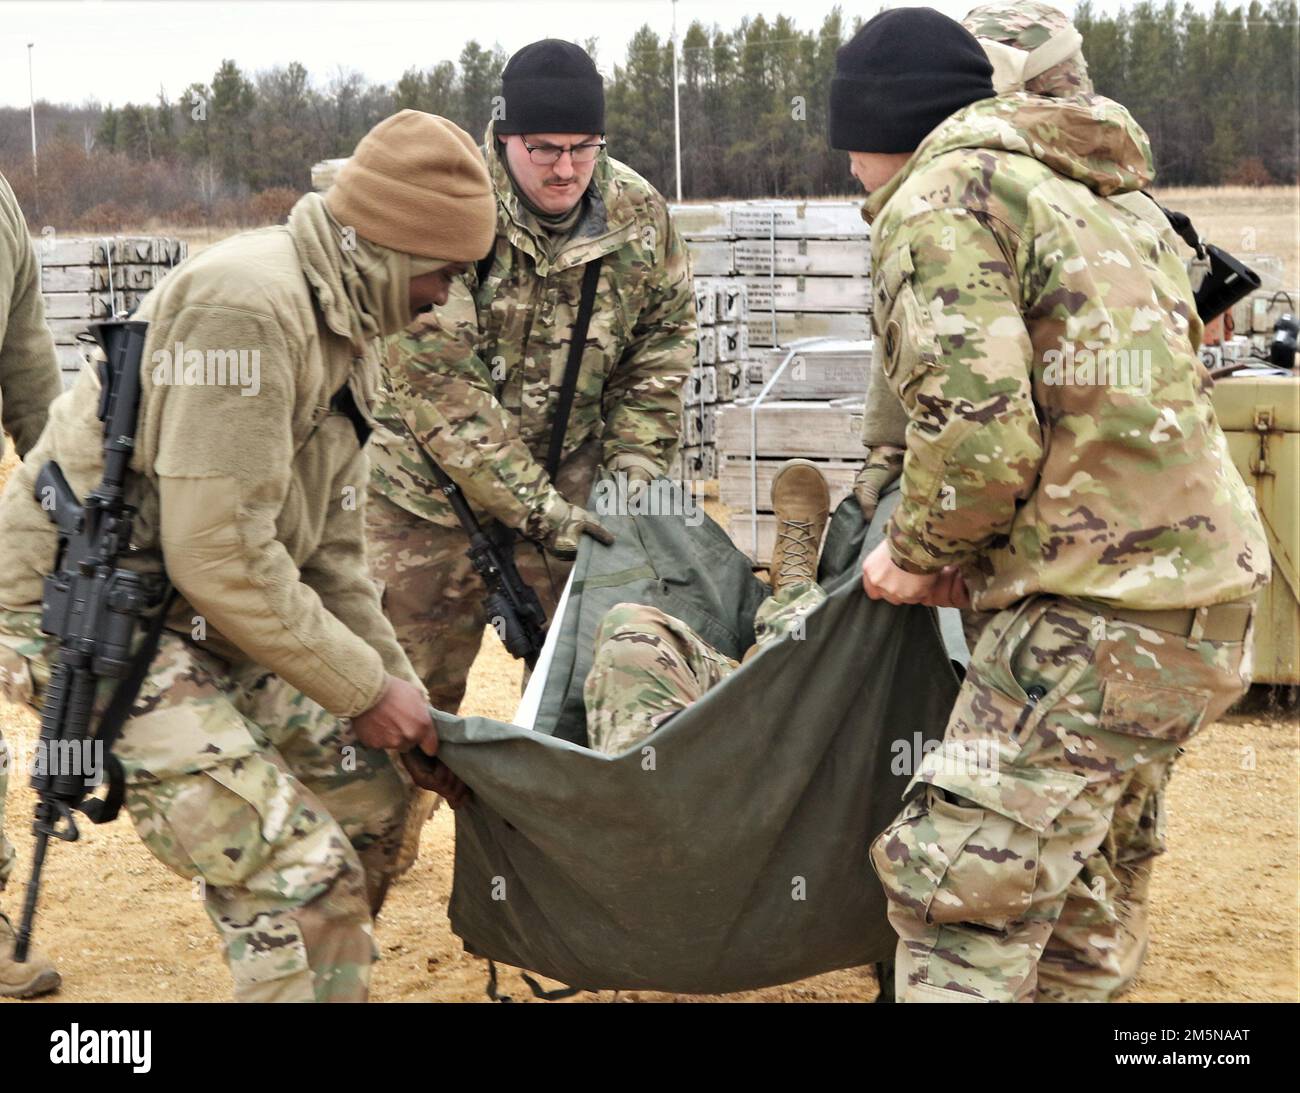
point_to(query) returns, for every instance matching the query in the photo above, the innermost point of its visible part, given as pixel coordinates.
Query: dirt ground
(1225, 900)
(1224, 904)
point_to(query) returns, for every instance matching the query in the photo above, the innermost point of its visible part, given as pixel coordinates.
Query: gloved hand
(884, 464)
(568, 526)
(638, 478)
(636, 474)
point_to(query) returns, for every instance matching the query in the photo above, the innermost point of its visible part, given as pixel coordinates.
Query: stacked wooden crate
(718, 375)
(804, 269)
(805, 265)
(812, 410)
(84, 279)
(324, 173)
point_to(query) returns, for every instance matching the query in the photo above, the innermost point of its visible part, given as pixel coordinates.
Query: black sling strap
(344, 402)
(104, 810)
(577, 343)
(1183, 227)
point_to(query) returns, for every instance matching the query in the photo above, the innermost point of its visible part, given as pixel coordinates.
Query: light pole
(677, 111)
(31, 96)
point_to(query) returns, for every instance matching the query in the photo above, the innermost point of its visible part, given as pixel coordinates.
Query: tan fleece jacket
(29, 370)
(250, 487)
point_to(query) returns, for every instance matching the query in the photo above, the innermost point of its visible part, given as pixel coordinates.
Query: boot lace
(797, 551)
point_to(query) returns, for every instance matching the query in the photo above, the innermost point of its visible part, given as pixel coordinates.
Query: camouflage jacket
(29, 370)
(477, 379)
(1042, 340)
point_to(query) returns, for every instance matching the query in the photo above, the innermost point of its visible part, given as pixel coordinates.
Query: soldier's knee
(246, 829)
(625, 620)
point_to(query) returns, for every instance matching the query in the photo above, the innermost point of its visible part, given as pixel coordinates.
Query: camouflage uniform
(240, 764)
(1086, 507)
(241, 783)
(649, 665)
(477, 381)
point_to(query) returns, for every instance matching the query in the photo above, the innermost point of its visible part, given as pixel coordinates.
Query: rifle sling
(102, 811)
(577, 343)
(1183, 227)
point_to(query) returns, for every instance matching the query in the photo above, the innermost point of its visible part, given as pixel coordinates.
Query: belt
(1221, 622)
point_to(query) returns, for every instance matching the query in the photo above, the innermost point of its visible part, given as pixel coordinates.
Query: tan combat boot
(36, 975)
(801, 500)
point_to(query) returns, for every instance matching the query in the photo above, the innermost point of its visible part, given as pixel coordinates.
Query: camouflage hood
(1090, 139)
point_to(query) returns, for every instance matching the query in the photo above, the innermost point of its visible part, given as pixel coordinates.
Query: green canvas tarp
(731, 854)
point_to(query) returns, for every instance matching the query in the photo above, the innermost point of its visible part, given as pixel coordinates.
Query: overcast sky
(117, 51)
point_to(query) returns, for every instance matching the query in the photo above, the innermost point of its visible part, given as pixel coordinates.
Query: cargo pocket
(268, 961)
(1171, 714)
(967, 849)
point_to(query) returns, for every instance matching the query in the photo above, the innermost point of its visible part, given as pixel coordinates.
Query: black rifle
(94, 607)
(511, 604)
(1228, 279)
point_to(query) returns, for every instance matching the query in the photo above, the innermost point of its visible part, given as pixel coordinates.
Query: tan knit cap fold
(417, 183)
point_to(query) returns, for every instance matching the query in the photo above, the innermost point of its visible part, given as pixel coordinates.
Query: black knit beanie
(552, 86)
(901, 75)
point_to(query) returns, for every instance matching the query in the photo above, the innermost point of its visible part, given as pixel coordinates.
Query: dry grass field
(1225, 916)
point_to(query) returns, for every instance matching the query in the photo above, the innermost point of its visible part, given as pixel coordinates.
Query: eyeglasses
(547, 155)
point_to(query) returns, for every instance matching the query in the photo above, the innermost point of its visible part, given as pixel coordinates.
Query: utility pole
(677, 110)
(31, 95)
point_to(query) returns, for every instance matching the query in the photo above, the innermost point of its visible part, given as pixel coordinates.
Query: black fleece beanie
(552, 86)
(901, 75)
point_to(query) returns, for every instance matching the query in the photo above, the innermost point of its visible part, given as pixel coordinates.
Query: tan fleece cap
(417, 183)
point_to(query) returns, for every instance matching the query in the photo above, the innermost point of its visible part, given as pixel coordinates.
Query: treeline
(1217, 92)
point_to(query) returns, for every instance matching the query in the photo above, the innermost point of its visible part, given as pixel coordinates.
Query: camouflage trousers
(1020, 870)
(649, 665)
(434, 598)
(285, 825)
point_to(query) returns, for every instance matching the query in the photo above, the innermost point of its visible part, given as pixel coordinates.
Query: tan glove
(568, 525)
(884, 464)
(637, 473)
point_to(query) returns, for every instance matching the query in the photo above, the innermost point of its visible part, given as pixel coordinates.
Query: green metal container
(1261, 417)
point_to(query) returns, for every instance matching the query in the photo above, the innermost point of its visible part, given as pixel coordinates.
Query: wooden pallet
(831, 370)
(703, 221)
(808, 294)
(711, 257)
(825, 430)
(780, 218)
(96, 278)
(816, 219)
(324, 173)
(100, 250)
(809, 257)
(89, 306)
(791, 326)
